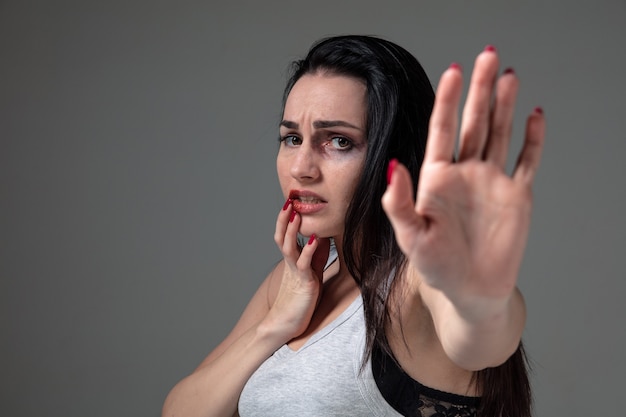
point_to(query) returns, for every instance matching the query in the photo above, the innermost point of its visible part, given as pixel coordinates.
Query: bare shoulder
(257, 308)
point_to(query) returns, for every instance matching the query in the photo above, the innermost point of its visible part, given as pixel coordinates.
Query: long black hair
(399, 103)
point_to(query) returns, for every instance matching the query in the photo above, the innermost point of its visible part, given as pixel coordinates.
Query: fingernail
(509, 70)
(538, 110)
(390, 168)
(312, 239)
(293, 216)
(286, 204)
(490, 48)
(456, 66)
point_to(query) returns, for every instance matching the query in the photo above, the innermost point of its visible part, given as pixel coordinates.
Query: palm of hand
(465, 234)
(300, 275)
(472, 229)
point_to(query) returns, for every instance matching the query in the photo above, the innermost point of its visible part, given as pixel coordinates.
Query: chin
(321, 232)
(305, 231)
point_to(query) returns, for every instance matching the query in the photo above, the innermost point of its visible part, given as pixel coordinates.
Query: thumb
(397, 201)
(320, 257)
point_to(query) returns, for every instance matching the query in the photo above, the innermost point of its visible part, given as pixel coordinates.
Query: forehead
(327, 97)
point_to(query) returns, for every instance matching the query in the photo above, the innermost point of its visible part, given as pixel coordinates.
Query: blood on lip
(307, 207)
(305, 197)
(309, 200)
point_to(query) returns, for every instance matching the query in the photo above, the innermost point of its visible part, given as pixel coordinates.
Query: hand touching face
(323, 146)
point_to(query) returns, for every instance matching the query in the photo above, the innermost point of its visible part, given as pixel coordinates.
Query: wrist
(274, 332)
(491, 312)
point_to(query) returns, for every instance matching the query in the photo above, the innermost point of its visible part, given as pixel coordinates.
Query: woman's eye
(291, 140)
(340, 142)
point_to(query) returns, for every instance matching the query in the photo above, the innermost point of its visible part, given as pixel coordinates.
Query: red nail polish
(292, 216)
(456, 66)
(312, 239)
(509, 70)
(286, 204)
(538, 110)
(490, 48)
(390, 168)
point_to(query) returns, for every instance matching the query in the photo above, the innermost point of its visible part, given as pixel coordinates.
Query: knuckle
(302, 265)
(500, 130)
(289, 253)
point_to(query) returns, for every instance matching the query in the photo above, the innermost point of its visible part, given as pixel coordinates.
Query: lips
(306, 202)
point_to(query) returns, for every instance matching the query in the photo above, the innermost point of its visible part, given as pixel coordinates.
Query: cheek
(282, 172)
(352, 175)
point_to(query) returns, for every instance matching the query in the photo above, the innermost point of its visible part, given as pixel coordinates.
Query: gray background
(138, 191)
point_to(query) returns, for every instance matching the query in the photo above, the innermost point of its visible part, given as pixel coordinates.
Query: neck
(338, 268)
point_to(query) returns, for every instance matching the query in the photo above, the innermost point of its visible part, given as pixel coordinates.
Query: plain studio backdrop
(138, 191)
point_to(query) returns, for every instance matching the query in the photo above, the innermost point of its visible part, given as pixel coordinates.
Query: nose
(305, 165)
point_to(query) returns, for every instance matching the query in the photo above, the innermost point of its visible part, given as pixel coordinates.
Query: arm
(213, 389)
(280, 310)
(484, 335)
(465, 235)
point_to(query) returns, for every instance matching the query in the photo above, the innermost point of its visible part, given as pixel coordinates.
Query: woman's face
(323, 146)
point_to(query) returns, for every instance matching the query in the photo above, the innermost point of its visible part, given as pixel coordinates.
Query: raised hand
(302, 275)
(466, 233)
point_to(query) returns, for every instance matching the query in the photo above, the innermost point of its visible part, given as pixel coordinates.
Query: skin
(471, 211)
(455, 316)
(323, 147)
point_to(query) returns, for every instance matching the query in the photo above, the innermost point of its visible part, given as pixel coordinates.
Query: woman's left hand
(465, 235)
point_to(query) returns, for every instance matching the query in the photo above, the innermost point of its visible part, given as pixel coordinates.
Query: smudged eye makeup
(340, 143)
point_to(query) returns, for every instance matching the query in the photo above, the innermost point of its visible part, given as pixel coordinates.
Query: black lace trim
(412, 399)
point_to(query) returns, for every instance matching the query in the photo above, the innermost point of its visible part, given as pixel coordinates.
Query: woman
(415, 311)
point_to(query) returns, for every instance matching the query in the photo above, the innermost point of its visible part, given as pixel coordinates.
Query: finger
(313, 258)
(291, 249)
(315, 255)
(443, 124)
(306, 255)
(286, 233)
(501, 129)
(530, 155)
(281, 223)
(398, 203)
(477, 109)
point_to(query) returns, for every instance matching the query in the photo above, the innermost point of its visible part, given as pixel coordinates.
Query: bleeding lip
(306, 202)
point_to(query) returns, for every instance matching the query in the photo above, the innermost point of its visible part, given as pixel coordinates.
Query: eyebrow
(320, 124)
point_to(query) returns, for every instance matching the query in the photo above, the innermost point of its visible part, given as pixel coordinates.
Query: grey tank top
(322, 378)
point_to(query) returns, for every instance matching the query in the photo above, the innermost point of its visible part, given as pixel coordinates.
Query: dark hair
(399, 103)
